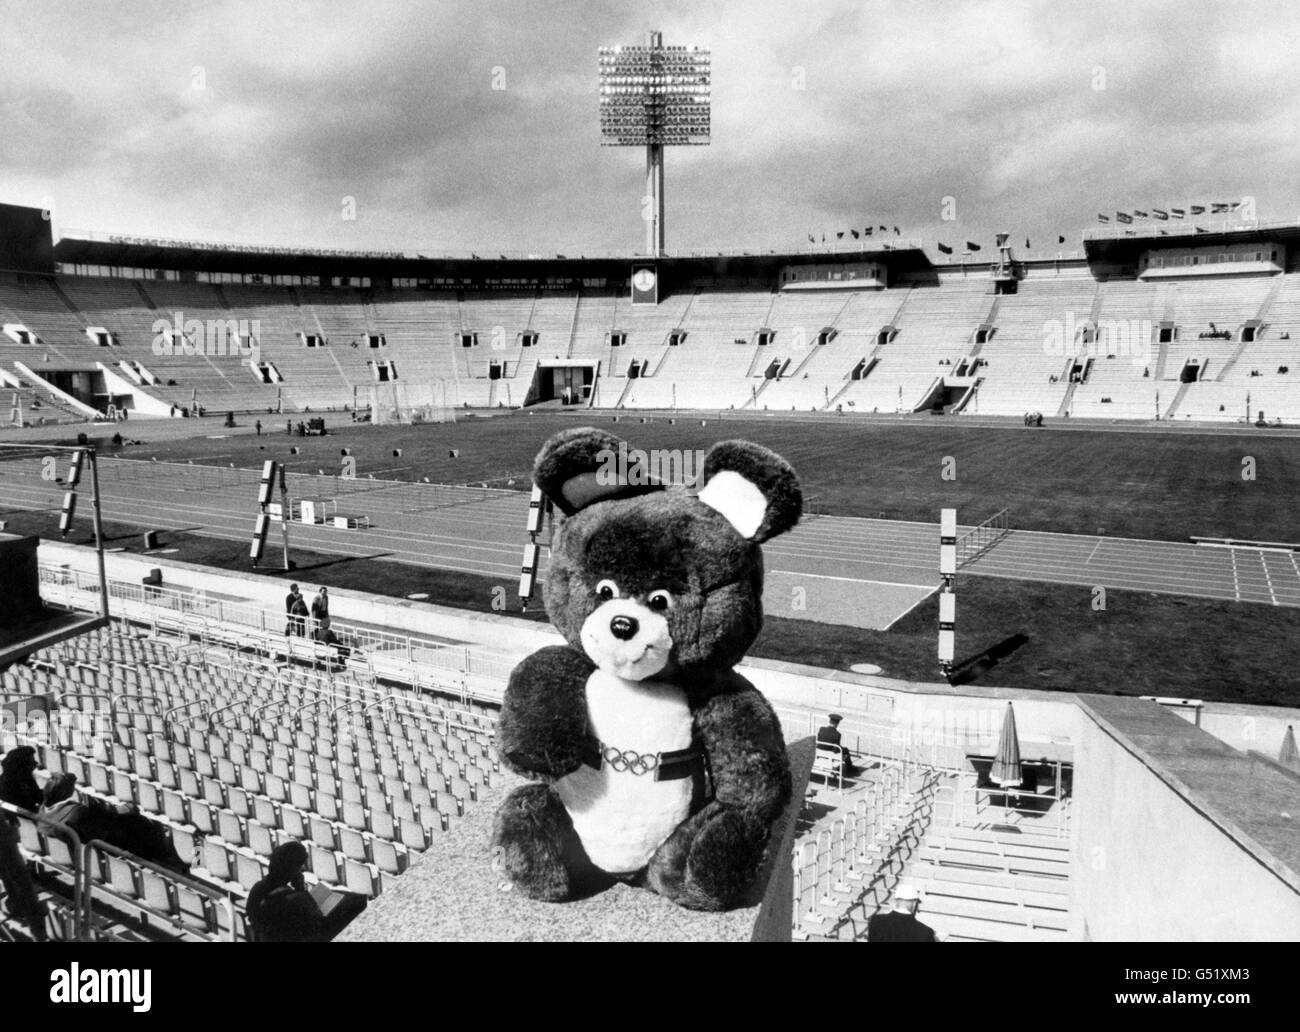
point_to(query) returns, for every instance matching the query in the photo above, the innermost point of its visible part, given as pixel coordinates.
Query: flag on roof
(1177, 213)
(1123, 216)
(856, 234)
(1158, 214)
(867, 231)
(945, 249)
(970, 246)
(1140, 214)
(1060, 239)
(1198, 209)
(1102, 218)
(1219, 207)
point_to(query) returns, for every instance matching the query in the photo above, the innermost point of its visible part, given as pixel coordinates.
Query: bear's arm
(745, 747)
(543, 723)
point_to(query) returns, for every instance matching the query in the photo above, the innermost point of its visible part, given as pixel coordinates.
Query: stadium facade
(1184, 324)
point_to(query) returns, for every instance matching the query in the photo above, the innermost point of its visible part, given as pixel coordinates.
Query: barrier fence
(470, 671)
(95, 870)
(389, 495)
(861, 856)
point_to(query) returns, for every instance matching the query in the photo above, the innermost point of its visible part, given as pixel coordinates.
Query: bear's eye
(606, 590)
(659, 601)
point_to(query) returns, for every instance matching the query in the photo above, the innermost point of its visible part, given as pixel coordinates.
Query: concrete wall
(400, 616)
(63, 396)
(1249, 727)
(929, 711)
(144, 405)
(1155, 859)
(971, 713)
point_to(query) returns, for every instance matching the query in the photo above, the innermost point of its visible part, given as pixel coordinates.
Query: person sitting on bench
(830, 735)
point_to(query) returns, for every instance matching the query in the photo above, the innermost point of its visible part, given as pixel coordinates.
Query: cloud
(474, 125)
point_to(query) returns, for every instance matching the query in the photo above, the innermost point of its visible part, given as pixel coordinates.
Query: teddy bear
(649, 759)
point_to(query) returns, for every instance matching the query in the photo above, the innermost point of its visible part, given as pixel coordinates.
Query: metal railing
(397, 495)
(969, 804)
(889, 741)
(471, 671)
(213, 901)
(35, 832)
(860, 856)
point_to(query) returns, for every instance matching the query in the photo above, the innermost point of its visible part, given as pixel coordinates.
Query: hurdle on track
(981, 537)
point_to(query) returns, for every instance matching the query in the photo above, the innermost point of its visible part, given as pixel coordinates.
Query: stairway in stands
(987, 873)
(854, 843)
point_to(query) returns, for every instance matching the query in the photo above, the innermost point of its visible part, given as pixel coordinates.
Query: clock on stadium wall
(645, 285)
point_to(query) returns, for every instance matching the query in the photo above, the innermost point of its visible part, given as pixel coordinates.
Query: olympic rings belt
(666, 766)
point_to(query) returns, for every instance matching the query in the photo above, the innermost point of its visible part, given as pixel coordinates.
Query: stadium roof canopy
(134, 252)
(1124, 246)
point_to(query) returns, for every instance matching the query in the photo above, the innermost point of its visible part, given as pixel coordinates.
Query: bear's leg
(535, 849)
(711, 860)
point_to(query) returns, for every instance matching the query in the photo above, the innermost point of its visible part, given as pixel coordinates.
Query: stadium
(1046, 579)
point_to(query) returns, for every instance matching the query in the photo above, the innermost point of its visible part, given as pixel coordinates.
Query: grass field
(1140, 644)
(1133, 484)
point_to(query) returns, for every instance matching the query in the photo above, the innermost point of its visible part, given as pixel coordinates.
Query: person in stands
(320, 605)
(18, 785)
(18, 788)
(21, 900)
(279, 907)
(830, 735)
(296, 607)
(900, 924)
(121, 825)
(325, 636)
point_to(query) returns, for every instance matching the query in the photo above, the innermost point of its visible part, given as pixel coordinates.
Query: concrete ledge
(451, 894)
(1253, 804)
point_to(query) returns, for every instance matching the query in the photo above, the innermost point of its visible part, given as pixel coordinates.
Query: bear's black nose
(623, 628)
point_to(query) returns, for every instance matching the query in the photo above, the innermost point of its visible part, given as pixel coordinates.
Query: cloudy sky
(256, 120)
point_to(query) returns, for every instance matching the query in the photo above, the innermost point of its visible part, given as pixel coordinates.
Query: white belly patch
(621, 817)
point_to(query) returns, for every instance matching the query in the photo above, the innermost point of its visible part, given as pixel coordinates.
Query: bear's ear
(755, 489)
(580, 467)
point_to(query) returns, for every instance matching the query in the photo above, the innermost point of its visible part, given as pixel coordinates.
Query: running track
(858, 571)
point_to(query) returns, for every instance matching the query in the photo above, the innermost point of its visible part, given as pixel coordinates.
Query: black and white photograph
(678, 472)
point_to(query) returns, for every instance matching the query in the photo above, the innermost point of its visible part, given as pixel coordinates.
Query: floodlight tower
(654, 96)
